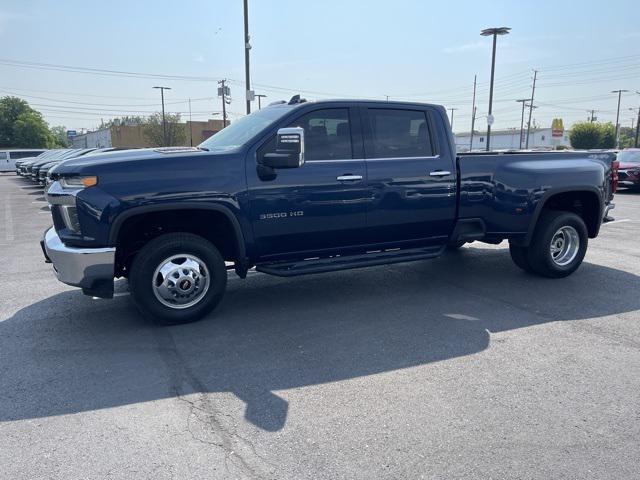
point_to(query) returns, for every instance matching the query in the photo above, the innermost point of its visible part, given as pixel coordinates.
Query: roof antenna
(296, 99)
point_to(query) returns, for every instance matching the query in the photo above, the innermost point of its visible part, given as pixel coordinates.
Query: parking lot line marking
(622, 220)
(8, 220)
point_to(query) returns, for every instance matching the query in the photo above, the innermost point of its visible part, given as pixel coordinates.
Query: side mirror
(289, 149)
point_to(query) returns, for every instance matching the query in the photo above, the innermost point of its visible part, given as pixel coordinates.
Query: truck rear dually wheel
(519, 257)
(177, 278)
(557, 248)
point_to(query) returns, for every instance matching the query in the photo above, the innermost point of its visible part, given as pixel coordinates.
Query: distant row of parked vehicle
(629, 170)
(37, 168)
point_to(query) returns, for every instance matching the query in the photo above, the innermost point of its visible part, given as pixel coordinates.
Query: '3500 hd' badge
(271, 216)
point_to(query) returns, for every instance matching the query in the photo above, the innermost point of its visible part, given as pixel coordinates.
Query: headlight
(78, 182)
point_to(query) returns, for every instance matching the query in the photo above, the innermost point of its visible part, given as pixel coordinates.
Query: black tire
(519, 257)
(539, 254)
(154, 254)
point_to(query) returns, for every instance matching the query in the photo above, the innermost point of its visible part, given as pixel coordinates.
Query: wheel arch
(139, 214)
(565, 199)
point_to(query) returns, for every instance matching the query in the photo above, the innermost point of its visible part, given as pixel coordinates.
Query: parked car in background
(9, 157)
(18, 163)
(34, 168)
(23, 165)
(44, 169)
(629, 171)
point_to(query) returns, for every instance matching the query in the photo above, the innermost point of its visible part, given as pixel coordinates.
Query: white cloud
(198, 58)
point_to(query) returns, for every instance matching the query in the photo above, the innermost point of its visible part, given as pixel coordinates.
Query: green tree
(176, 132)
(126, 120)
(585, 135)
(22, 126)
(31, 131)
(60, 135)
(607, 135)
(627, 137)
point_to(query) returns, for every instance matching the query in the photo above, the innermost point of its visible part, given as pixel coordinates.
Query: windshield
(240, 131)
(629, 156)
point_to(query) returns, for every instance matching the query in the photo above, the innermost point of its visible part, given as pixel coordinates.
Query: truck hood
(126, 158)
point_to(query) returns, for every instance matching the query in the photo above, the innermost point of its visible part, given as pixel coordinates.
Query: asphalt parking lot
(459, 367)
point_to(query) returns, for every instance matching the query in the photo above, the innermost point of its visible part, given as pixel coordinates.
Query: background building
(132, 136)
(510, 139)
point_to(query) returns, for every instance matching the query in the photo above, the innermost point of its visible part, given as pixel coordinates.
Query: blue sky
(409, 50)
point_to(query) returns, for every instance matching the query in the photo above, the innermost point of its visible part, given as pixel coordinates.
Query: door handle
(439, 173)
(349, 178)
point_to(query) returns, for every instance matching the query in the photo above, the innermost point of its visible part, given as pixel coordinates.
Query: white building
(96, 139)
(510, 139)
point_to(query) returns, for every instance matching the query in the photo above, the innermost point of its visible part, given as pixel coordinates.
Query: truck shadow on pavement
(68, 353)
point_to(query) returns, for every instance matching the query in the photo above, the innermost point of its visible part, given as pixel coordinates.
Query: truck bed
(504, 189)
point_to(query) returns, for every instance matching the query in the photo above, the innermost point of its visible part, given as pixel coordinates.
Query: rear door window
(397, 133)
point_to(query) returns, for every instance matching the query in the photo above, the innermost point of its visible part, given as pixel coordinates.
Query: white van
(8, 157)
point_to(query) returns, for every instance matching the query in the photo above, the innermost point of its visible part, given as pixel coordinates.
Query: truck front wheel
(177, 278)
(558, 245)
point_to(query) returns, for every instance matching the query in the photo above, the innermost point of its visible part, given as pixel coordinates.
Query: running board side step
(369, 259)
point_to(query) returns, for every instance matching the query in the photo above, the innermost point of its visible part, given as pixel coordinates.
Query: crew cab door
(411, 175)
(321, 205)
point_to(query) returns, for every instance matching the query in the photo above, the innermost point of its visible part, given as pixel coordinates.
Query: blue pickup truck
(308, 187)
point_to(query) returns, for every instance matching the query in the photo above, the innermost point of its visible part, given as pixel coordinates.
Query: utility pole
(164, 121)
(531, 107)
(259, 97)
(452, 110)
(222, 92)
(247, 47)
(635, 143)
(486, 33)
(190, 125)
(473, 122)
(473, 111)
(592, 118)
(523, 101)
(619, 92)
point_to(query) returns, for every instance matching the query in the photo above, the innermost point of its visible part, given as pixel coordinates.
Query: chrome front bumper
(91, 269)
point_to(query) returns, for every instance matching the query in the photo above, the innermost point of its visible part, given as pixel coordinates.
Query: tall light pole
(452, 110)
(247, 47)
(164, 121)
(260, 96)
(487, 32)
(619, 92)
(523, 101)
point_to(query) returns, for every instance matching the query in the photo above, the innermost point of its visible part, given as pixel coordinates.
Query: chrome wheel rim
(565, 244)
(180, 281)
